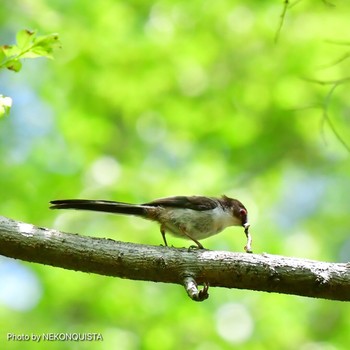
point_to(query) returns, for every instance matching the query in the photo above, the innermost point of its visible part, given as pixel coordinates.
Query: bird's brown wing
(199, 203)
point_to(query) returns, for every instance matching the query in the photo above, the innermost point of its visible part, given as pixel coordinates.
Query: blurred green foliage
(150, 99)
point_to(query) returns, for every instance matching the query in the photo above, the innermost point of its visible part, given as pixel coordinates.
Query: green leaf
(28, 46)
(14, 65)
(25, 38)
(42, 46)
(42, 51)
(49, 40)
(45, 44)
(11, 50)
(33, 53)
(2, 55)
(5, 105)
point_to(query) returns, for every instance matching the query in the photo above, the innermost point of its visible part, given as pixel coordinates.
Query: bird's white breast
(198, 224)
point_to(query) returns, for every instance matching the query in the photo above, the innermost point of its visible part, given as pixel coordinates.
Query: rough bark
(261, 272)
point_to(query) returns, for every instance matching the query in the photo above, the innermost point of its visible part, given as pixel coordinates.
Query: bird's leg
(199, 245)
(162, 231)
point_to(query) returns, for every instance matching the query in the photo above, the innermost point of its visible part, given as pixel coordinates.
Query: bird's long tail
(99, 205)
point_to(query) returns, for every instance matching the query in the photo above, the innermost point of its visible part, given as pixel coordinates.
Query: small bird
(189, 217)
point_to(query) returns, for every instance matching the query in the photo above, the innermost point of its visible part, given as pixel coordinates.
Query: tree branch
(103, 256)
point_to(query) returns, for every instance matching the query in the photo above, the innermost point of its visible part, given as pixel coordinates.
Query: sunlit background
(151, 99)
